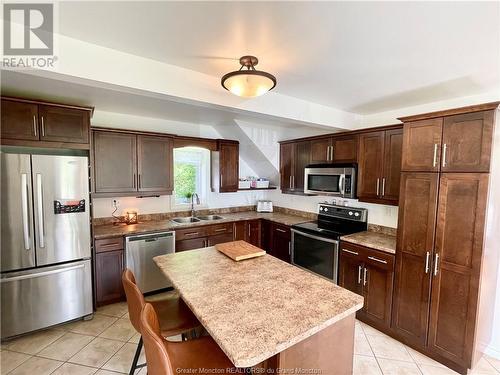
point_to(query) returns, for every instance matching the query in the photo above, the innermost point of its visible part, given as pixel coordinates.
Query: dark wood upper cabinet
(342, 149)
(39, 124)
(287, 166)
(345, 149)
(393, 150)
(422, 145)
(370, 167)
(415, 244)
(115, 162)
(467, 142)
(59, 124)
(302, 156)
(321, 150)
(457, 264)
(19, 120)
(379, 166)
(154, 163)
(229, 166)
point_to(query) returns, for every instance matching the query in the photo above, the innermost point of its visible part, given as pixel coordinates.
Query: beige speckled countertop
(255, 308)
(375, 240)
(110, 230)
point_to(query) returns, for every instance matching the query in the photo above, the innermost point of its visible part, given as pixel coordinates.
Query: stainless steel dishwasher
(139, 253)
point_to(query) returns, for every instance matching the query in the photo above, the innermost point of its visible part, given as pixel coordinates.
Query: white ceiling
(116, 99)
(362, 57)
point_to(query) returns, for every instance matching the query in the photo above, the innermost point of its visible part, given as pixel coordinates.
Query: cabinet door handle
(378, 260)
(293, 181)
(359, 274)
(436, 261)
(140, 182)
(133, 182)
(434, 159)
(365, 271)
(191, 234)
(328, 153)
(331, 153)
(445, 147)
(221, 179)
(427, 256)
(378, 186)
(221, 230)
(249, 229)
(34, 125)
(290, 182)
(350, 252)
(383, 186)
(43, 128)
(281, 230)
(289, 248)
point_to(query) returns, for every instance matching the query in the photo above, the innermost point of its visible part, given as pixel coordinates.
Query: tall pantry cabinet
(443, 198)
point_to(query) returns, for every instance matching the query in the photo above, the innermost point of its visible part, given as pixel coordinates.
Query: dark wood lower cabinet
(190, 244)
(109, 267)
(281, 242)
(220, 238)
(370, 273)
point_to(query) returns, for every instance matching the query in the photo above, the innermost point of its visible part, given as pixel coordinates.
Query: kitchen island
(266, 313)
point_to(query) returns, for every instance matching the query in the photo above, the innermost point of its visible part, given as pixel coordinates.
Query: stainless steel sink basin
(210, 217)
(185, 220)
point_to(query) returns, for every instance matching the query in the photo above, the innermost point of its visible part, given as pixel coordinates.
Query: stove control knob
(356, 214)
(351, 213)
(326, 209)
(321, 208)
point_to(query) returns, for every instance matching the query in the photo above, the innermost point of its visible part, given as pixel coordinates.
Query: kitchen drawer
(108, 244)
(368, 255)
(379, 258)
(188, 233)
(220, 229)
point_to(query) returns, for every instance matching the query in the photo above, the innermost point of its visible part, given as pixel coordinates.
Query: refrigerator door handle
(39, 198)
(24, 205)
(40, 274)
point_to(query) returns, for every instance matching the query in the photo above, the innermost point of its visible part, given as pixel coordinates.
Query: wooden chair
(168, 358)
(175, 317)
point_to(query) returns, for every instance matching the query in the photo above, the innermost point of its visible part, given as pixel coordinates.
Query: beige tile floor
(106, 345)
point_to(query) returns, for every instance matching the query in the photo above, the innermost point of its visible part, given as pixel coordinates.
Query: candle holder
(131, 217)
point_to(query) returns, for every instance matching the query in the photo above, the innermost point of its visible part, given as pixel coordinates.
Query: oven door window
(316, 254)
(324, 182)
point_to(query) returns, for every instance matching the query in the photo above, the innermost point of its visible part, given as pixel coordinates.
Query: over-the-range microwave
(331, 179)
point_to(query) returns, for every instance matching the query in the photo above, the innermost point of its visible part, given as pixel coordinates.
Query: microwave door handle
(342, 184)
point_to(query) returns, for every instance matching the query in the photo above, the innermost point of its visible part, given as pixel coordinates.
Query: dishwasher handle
(150, 237)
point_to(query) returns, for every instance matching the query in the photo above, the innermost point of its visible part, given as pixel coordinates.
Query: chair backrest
(157, 358)
(135, 298)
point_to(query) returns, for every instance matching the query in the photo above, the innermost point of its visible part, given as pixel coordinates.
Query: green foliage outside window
(184, 180)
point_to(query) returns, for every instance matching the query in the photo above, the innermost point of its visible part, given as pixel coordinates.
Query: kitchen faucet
(193, 211)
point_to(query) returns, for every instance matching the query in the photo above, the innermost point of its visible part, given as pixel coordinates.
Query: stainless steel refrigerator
(46, 276)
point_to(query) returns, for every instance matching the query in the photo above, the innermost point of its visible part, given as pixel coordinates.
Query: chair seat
(174, 316)
(195, 354)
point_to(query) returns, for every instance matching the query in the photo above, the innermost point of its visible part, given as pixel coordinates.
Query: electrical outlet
(115, 203)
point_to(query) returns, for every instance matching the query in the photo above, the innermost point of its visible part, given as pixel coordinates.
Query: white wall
(490, 290)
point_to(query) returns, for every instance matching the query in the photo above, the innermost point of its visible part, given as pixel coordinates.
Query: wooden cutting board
(239, 250)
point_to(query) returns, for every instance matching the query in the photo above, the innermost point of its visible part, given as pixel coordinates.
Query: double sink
(195, 219)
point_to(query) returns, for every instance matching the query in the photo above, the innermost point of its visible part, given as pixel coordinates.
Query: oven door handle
(324, 239)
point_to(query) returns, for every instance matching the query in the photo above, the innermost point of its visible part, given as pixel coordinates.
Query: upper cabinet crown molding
(451, 112)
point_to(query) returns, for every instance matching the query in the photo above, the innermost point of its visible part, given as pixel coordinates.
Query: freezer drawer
(44, 297)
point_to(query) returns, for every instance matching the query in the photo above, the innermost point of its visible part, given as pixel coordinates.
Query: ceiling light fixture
(248, 83)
